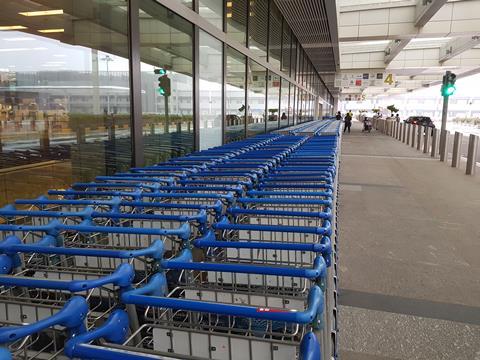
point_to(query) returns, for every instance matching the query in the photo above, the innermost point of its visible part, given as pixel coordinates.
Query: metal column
(472, 155)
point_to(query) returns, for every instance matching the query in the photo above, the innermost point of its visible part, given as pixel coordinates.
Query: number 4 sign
(389, 79)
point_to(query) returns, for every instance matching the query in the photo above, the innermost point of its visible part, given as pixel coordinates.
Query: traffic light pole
(443, 131)
(167, 120)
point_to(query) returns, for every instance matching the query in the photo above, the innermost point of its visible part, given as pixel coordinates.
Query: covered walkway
(409, 245)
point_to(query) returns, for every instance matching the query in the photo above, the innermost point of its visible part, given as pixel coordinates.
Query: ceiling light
(42, 13)
(48, 31)
(18, 39)
(12, 27)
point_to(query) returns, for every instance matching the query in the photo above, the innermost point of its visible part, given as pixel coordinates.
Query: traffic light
(163, 82)
(448, 84)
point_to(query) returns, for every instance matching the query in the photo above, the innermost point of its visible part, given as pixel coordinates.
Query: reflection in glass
(275, 33)
(273, 102)
(212, 11)
(256, 77)
(293, 58)
(285, 111)
(166, 43)
(210, 89)
(236, 16)
(258, 27)
(235, 96)
(64, 97)
(292, 105)
(286, 38)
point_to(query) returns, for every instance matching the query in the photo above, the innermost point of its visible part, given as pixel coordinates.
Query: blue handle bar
(224, 224)
(55, 227)
(71, 316)
(208, 240)
(327, 214)
(121, 277)
(279, 200)
(115, 185)
(154, 251)
(310, 347)
(184, 262)
(113, 330)
(123, 178)
(314, 308)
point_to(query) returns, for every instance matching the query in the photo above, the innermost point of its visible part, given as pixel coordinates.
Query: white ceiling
(416, 43)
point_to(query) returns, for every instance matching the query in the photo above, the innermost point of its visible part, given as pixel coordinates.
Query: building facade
(81, 92)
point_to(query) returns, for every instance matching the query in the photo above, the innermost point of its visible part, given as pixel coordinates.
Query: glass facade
(256, 109)
(210, 88)
(76, 85)
(235, 95)
(166, 44)
(273, 110)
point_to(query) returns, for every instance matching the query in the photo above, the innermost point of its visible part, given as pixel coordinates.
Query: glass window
(64, 96)
(284, 105)
(256, 76)
(212, 11)
(275, 43)
(210, 89)
(258, 27)
(273, 101)
(167, 99)
(235, 96)
(293, 58)
(236, 14)
(293, 103)
(286, 40)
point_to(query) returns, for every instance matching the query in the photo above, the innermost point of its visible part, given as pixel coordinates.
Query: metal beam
(426, 9)
(457, 46)
(332, 16)
(394, 48)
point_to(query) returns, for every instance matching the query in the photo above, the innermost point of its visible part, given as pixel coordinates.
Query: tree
(392, 109)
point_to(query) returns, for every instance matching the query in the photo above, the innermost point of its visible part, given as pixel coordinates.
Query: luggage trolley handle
(235, 211)
(121, 277)
(184, 261)
(137, 194)
(143, 297)
(113, 330)
(94, 185)
(11, 246)
(286, 201)
(54, 228)
(256, 193)
(119, 177)
(71, 316)
(209, 240)
(41, 201)
(224, 224)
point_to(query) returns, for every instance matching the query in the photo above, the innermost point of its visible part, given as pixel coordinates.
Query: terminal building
(80, 85)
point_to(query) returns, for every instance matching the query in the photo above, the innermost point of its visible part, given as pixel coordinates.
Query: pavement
(409, 253)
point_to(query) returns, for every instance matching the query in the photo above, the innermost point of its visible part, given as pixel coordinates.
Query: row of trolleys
(222, 254)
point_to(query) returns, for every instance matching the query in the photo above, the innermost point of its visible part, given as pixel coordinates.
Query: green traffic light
(161, 91)
(448, 90)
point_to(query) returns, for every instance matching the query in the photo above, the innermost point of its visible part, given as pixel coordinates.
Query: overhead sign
(352, 97)
(364, 79)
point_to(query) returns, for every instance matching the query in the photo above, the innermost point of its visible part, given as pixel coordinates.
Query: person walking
(339, 116)
(348, 122)
(397, 118)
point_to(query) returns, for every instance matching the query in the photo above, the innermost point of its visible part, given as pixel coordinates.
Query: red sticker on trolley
(263, 309)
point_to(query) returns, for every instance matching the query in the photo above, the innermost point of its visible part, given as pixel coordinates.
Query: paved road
(409, 267)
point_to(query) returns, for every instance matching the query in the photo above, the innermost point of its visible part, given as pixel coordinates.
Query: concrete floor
(409, 250)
